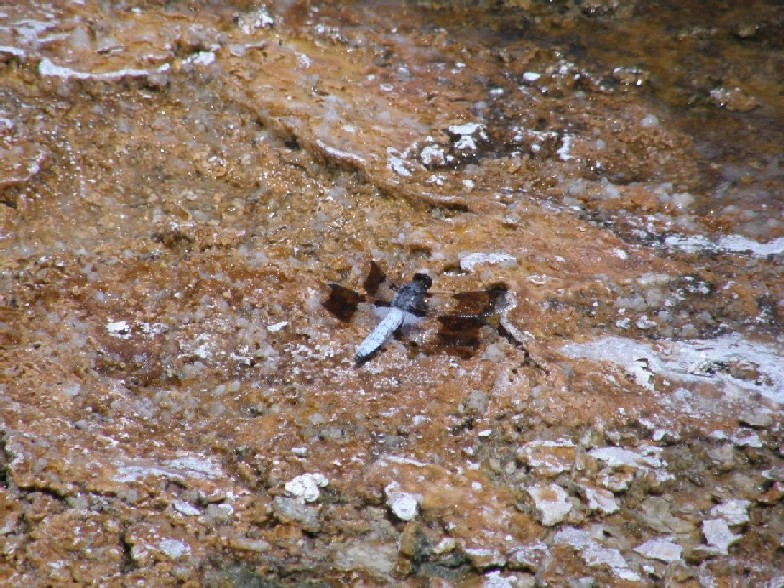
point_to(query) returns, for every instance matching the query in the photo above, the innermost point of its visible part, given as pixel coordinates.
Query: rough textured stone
(718, 535)
(551, 503)
(661, 549)
(185, 188)
(290, 510)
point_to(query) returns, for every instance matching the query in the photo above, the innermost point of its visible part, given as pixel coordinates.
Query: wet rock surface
(179, 186)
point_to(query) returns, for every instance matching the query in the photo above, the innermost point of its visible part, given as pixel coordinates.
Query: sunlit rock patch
(729, 364)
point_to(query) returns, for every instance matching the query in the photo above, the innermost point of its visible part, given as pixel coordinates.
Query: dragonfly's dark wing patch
(375, 278)
(461, 328)
(481, 303)
(342, 302)
(460, 331)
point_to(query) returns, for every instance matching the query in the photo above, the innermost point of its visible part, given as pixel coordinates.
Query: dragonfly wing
(342, 302)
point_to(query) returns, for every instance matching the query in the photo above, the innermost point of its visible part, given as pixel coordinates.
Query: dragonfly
(459, 322)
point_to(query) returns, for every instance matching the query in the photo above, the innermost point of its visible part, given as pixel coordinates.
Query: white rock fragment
(258, 19)
(601, 500)
(595, 556)
(661, 549)
(564, 149)
(28, 29)
(645, 323)
(615, 457)
(467, 129)
(496, 580)
(551, 502)
(538, 279)
(467, 135)
(72, 390)
(376, 559)
(465, 143)
(654, 278)
(775, 473)
(548, 458)
(47, 68)
(119, 329)
(200, 59)
(733, 511)
(246, 544)
(8, 52)
(728, 243)
(398, 165)
(624, 462)
(531, 76)
(638, 359)
(12, 51)
(718, 535)
(185, 508)
(202, 347)
(174, 548)
(696, 361)
(196, 466)
(746, 438)
(340, 154)
(219, 513)
(399, 459)
(469, 261)
(181, 468)
(578, 538)
(690, 243)
(152, 329)
(660, 434)
(305, 488)
(739, 244)
(485, 558)
(446, 545)
(432, 155)
(404, 505)
(757, 418)
(528, 557)
(616, 482)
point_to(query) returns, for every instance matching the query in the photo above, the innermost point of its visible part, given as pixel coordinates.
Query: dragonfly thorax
(411, 295)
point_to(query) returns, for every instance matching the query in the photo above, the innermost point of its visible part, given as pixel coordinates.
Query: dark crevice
(127, 564)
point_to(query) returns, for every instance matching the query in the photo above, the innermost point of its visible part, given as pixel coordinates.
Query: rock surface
(182, 187)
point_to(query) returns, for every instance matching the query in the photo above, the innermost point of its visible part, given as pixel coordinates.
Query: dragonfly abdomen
(381, 333)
